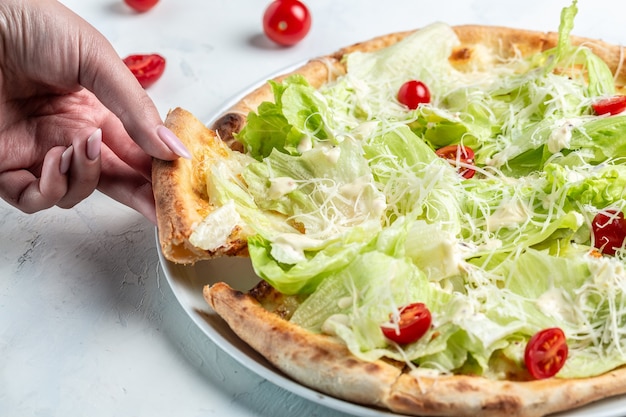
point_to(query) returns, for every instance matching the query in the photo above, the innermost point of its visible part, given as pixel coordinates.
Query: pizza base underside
(322, 362)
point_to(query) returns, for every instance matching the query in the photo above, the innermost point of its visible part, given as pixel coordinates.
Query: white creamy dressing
(560, 138)
(331, 322)
(553, 303)
(289, 247)
(509, 214)
(345, 302)
(332, 153)
(502, 157)
(365, 130)
(281, 186)
(215, 229)
(305, 144)
(440, 258)
(363, 204)
(489, 244)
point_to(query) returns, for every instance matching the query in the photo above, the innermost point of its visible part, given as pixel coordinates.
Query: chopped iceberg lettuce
(346, 201)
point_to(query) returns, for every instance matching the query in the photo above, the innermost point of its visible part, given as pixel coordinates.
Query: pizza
(435, 216)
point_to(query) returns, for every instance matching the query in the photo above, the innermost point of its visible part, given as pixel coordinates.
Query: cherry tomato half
(141, 5)
(546, 353)
(611, 105)
(459, 156)
(286, 22)
(413, 93)
(146, 68)
(609, 231)
(414, 322)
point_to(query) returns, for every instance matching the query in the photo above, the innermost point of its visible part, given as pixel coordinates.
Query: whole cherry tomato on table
(286, 22)
(146, 68)
(141, 5)
(609, 231)
(546, 353)
(413, 323)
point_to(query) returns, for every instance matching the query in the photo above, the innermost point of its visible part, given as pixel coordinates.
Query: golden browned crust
(474, 396)
(314, 360)
(507, 42)
(275, 302)
(325, 364)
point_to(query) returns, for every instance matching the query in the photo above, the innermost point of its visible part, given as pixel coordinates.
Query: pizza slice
(181, 195)
(353, 207)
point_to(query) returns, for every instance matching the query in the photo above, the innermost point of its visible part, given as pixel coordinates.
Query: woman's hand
(72, 117)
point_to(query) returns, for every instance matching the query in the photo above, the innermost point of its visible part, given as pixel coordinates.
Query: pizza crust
(325, 364)
(314, 360)
(180, 192)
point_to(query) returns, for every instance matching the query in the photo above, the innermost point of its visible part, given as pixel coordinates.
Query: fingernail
(94, 144)
(169, 138)
(66, 159)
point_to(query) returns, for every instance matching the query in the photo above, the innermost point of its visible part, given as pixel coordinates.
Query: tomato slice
(413, 93)
(141, 5)
(146, 68)
(611, 105)
(460, 156)
(546, 353)
(609, 231)
(286, 22)
(413, 323)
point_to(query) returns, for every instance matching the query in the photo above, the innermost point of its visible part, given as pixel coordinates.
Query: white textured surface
(88, 325)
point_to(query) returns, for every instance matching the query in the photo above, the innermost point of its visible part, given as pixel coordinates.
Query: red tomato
(141, 5)
(286, 22)
(414, 322)
(457, 155)
(609, 231)
(147, 68)
(546, 353)
(413, 93)
(611, 105)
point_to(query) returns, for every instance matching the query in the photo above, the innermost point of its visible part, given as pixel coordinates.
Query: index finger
(104, 73)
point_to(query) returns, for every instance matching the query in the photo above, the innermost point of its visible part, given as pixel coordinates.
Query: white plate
(187, 283)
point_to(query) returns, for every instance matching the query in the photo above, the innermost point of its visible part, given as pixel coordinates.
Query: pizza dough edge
(325, 364)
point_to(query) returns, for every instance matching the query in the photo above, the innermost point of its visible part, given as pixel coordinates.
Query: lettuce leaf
(297, 114)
